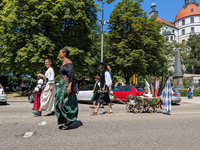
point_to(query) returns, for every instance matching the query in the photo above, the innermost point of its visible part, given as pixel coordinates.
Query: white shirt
(39, 85)
(108, 80)
(49, 74)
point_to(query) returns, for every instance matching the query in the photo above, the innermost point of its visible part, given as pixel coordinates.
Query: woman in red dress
(38, 89)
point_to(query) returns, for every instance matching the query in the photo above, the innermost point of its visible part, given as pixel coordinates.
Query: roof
(168, 32)
(169, 23)
(153, 4)
(191, 75)
(186, 11)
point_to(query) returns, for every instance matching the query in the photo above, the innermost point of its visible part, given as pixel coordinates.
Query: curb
(16, 100)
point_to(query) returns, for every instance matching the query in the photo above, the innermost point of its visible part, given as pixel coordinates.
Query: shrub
(57, 79)
(184, 92)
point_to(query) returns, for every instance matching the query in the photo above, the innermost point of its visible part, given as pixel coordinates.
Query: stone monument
(178, 76)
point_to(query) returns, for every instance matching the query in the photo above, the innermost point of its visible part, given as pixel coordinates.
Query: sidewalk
(186, 100)
(17, 100)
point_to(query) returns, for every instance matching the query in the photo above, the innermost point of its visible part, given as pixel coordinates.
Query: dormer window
(192, 10)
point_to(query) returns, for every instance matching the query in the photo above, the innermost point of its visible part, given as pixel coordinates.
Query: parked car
(176, 96)
(31, 95)
(3, 96)
(85, 93)
(123, 91)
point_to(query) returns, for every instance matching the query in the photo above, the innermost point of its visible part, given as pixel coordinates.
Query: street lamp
(103, 23)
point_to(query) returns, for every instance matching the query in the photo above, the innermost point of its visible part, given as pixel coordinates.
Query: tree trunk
(127, 80)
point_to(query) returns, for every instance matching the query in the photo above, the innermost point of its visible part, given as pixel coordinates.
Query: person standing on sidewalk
(105, 88)
(48, 94)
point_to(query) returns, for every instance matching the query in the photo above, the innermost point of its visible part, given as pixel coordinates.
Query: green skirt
(68, 109)
(95, 97)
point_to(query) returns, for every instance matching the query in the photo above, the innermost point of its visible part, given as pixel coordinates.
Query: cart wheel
(154, 109)
(151, 110)
(128, 108)
(139, 108)
(146, 108)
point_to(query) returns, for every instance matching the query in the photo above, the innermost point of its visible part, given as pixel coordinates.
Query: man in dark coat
(105, 88)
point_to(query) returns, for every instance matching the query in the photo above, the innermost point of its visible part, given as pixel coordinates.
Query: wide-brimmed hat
(40, 75)
(103, 63)
(97, 77)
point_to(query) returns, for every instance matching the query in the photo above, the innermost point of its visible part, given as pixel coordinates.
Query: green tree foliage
(170, 49)
(33, 30)
(134, 43)
(193, 43)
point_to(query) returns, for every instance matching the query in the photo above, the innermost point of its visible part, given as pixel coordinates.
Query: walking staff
(105, 88)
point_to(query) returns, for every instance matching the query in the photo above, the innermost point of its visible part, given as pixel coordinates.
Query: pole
(102, 22)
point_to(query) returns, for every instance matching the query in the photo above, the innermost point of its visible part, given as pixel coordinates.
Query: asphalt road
(120, 130)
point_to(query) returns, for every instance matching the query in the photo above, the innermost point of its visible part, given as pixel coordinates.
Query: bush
(184, 92)
(57, 79)
(185, 82)
(15, 81)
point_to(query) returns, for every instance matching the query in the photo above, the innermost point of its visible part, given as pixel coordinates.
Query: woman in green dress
(66, 104)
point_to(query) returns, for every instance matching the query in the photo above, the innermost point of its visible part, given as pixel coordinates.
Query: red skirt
(36, 104)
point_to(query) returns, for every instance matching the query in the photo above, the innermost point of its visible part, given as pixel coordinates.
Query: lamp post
(103, 23)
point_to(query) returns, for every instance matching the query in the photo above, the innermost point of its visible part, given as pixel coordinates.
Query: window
(183, 32)
(183, 22)
(192, 20)
(192, 10)
(171, 38)
(183, 41)
(192, 30)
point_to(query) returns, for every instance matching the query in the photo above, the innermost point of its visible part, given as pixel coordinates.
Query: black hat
(103, 63)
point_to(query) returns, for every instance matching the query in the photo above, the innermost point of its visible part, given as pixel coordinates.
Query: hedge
(184, 92)
(12, 82)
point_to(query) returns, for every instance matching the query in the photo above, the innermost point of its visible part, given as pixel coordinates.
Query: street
(120, 130)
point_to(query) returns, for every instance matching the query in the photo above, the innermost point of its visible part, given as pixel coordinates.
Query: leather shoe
(93, 111)
(37, 113)
(51, 114)
(109, 112)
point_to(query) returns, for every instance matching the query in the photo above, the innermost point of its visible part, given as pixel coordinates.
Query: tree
(33, 30)
(193, 43)
(134, 42)
(170, 49)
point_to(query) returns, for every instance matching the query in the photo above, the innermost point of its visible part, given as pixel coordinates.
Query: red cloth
(36, 104)
(189, 89)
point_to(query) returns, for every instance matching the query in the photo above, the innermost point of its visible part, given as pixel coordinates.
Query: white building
(187, 21)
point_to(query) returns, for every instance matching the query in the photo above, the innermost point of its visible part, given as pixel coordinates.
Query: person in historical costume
(105, 88)
(96, 94)
(190, 92)
(48, 94)
(38, 90)
(66, 104)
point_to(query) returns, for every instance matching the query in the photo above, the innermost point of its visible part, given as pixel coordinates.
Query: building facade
(187, 22)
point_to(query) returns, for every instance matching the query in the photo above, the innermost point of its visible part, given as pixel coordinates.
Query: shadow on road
(76, 124)
(1, 104)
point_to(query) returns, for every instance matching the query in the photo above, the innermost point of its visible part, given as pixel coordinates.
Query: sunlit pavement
(120, 130)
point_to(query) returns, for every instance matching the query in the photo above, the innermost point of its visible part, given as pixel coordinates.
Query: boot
(37, 113)
(51, 114)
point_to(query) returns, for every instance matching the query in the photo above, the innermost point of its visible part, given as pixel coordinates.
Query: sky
(167, 9)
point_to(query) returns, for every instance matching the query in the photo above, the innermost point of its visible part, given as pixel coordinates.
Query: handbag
(74, 88)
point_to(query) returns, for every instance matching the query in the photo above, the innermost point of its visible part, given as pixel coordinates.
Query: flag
(161, 86)
(156, 87)
(134, 79)
(148, 86)
(151, 86)
(166, 96)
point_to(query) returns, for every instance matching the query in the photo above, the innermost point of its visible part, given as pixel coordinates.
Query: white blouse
(49, 74)
(39, 85)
